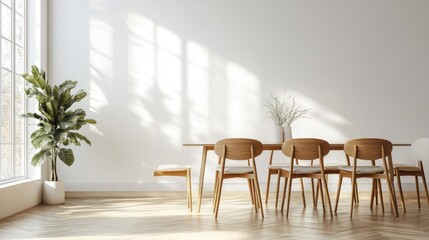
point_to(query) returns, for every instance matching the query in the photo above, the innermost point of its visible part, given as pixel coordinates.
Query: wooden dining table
(266, 147)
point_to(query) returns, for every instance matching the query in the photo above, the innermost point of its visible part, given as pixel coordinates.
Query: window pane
(19, 110)
(19, 161)
(6, 159)
(6, 90)
(12, 95)
(7, 2)
(6, 22)
(19, 30)
(6, 58)
(19, 60)
(19, 6)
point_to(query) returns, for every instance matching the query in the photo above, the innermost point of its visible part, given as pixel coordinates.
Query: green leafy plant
(285, 110)
(58, 125)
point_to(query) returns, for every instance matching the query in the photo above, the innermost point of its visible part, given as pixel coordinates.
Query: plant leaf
(67, 85)
(66, 155)
(40, 157)
(39, 77)
(90, 121)
(30, 79)
(82, 138)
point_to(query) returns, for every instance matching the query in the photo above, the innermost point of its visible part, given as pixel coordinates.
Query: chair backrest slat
(305, 148)
(238, 148)
(368, 148)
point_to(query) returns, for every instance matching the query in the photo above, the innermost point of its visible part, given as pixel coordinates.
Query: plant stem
(54, 176)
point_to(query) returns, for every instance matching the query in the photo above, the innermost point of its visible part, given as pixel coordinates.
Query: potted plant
(57, 127)
(284, 111)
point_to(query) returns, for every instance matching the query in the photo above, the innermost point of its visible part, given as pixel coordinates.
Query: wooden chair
(238, 149)
(420, 149)
(332, 170)
(305, 149)
(274, 169)
(177, 171)
(368, 149)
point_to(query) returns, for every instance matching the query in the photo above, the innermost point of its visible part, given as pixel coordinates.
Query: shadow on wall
(153, 90)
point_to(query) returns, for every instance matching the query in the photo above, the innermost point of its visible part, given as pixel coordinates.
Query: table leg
(201, 181)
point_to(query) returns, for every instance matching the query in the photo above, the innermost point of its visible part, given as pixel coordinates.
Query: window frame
(13, 73)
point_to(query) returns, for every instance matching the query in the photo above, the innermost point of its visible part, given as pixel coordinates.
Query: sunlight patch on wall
(168, 41)
(155, 77)
(322, 121)
(141, 65)
(181, 91)
(97, 98)
(198, 90)
(169, 81)
(100, 60)
(243, 91)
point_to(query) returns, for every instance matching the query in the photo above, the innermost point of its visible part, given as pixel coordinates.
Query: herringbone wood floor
(167, 218)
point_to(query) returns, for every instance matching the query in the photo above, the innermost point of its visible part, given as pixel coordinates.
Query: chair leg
(327, 184)
(251, 191)
(380, 191)
(278, 188)
(317, 193)
(377, 182)
(218, 196)
(328, 198)
(284, 193)
(256, 205)
(353, 195)
(189, 189)
(356, 194)
(322, 197)
(418, 191)
(259, 197)
(425, 187)
(215, 190)
(313, 193)
(215, 194)
(303, 193)
(289, 191)
(374, 187)
(340, 182)
(255, 196)
(392, 194)
(401, 194)
(267, 192)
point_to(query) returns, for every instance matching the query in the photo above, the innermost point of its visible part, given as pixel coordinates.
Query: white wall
(163, 73)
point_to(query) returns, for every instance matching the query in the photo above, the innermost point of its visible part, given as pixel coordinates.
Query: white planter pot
(54, 192)
(287, 131)
(278, 134)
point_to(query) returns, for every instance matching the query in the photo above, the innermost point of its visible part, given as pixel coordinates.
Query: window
(12, 96)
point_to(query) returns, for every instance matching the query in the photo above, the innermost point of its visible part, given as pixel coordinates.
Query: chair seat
(277, 166)
(363, 169)
(303, 169)
(236, 169)
(406, 167)
(172, 167)
(333, 168)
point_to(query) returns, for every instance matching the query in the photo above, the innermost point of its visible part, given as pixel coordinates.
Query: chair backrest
(238, 148)
(305, 148)
(368, 148)
(420, 149)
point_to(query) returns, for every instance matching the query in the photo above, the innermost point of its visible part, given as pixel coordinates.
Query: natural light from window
(12, 62)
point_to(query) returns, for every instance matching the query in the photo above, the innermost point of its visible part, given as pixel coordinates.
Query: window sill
(18, 182)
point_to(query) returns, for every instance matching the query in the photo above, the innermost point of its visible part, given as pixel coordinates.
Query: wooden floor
(167, 218)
